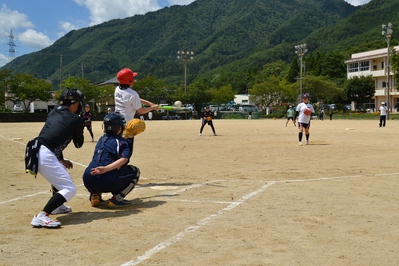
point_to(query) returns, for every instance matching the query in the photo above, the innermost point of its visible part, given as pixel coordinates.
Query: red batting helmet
(126, 76)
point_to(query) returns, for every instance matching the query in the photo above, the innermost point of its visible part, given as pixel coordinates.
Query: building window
(364, 66)
(353, 67)
(384, 84)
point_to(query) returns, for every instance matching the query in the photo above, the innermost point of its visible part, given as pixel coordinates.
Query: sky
(37, 24)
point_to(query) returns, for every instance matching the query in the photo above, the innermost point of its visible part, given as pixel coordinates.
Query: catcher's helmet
(70, 96)
(126, 76)
(112, 122)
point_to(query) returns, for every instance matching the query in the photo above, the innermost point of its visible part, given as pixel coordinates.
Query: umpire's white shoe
(62, 209)
(42, 220)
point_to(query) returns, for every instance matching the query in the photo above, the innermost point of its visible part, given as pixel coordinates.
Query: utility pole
(387, 32)
(60, 70)
(300, 50)
(185, 57)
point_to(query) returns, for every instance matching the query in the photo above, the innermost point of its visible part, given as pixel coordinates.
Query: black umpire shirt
(61, 126)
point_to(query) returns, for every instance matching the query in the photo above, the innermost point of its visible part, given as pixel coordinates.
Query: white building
(241, 99)
(373, 63)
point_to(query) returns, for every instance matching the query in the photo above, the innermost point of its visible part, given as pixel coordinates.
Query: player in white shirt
(383, 114)
(304, 112)
(127, 100)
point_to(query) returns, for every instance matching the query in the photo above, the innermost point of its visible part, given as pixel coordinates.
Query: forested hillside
(225, 35)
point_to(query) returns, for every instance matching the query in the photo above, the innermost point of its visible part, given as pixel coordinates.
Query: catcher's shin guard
(132, 172)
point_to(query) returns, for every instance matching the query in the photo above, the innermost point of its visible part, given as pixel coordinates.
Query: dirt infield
(249, 196)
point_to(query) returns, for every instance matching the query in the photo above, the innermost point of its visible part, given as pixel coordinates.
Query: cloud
(105, 10)
(10, 19)
(65, 28)
(180, 2)
(3, 60)
(357, 2)
(34, 39)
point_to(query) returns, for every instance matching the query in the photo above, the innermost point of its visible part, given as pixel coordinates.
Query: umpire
(44, 154)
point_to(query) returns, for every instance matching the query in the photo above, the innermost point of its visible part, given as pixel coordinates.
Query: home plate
(16, 138)
(349, 128)
(163, 187)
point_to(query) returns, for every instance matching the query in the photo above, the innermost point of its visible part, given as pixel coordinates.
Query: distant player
(207, 117)
(87, 117)
(290, 116)
(383, 114)
(304, 112)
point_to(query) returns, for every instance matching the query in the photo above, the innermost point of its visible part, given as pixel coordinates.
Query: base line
(193, 228)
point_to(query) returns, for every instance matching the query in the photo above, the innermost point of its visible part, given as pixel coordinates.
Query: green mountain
(225, 35)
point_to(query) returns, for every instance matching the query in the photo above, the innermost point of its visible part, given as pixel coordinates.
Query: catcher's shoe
(95, 199)
(116, 203)
(300, 143)
(42, 220)
(62, 209)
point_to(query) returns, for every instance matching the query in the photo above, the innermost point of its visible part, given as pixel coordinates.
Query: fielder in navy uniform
(207, 117)
(44, 154)
(108, 171)
(87, 117)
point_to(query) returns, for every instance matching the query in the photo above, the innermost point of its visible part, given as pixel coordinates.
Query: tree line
(274, 84)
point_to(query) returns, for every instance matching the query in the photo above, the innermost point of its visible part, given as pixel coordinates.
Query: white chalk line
(208, 219)
(174, 239)
(193, 228)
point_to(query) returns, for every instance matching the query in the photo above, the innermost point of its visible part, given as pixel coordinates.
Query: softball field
(249, 196)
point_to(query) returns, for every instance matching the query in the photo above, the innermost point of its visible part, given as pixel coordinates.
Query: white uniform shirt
(301, 108)
(383, 110)
(127, 102)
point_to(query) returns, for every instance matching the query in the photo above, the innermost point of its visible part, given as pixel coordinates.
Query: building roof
(368, 55)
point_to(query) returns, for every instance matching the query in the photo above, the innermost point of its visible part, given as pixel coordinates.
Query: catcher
(108, 170)
(207, 117)
(304, 112)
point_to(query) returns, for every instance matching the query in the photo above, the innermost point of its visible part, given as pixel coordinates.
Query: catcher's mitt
(307, 112)
(208, 118)
(133, 127)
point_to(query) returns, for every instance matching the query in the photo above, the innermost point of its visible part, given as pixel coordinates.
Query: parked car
(17, 108)
(248, 108)
(213, 108)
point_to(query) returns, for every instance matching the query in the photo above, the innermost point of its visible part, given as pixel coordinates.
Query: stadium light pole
(300, 50)
(387, 33)
(185, 57)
